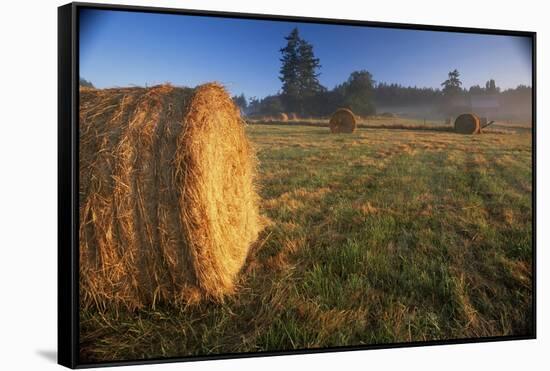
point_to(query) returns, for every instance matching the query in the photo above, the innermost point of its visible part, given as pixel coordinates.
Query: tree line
(85, 83)
(303, 94)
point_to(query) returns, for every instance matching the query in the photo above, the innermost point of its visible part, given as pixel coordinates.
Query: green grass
(375, 237)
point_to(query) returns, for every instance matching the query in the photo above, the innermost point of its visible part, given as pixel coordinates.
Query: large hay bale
(467, 123)
(168, 207)
(342, 121)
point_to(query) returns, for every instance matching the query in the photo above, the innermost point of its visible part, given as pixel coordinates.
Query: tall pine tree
(491, 87)
(298, 72)
(307, 69)
(288, 72)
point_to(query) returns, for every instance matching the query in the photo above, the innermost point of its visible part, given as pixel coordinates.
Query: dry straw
(168, 207)
(342, 121)
(467, 123)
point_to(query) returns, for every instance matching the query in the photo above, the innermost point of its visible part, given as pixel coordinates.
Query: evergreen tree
(452, 91)
(476, 89)
(308, 77)
(289, 71)
(85, 83)
(254, 106)
(452, 86)
(491, 87)
(240, 101)
(298, 73)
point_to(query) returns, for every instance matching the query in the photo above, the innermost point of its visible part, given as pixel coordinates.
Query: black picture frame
(68, 256)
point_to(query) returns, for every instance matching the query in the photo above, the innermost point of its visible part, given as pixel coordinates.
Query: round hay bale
(281, 117)
(467, 123)
(168, 207)
(342, 121)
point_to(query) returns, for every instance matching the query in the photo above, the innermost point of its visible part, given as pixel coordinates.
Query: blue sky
(119, 48)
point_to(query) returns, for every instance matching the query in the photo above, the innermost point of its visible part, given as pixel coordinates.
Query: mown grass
(380, 236)
(397, 122)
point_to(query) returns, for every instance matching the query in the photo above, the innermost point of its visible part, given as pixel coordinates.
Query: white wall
(28, 150)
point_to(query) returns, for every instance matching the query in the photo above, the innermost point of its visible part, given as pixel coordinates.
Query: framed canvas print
(236, 185)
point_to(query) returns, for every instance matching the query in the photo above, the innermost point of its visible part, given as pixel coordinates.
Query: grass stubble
(377, 237)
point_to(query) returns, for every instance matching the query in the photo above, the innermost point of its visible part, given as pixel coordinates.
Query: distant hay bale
(261, 118)
(282, 117)
(293, 116)
(467, 123)
(342, 121)
(168, 207)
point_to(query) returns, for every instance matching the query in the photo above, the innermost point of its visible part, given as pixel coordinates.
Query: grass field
(397, 122)
(380, 236)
